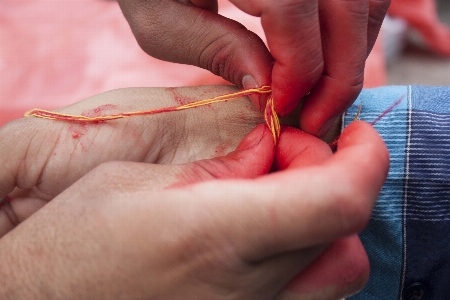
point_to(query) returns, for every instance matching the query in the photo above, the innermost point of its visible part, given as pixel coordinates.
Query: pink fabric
(53, 53)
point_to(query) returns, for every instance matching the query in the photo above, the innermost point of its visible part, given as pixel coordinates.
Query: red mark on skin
(180, 99)
(78, 129)
(98, 111)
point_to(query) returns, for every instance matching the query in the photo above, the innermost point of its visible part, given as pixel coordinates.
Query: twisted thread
(270, 114)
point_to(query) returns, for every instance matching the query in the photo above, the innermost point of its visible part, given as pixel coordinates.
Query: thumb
(302, 207)
(253, 157)
(189, 34)
(341, 270)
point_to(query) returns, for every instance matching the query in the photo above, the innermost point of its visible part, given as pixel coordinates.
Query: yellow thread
(270, 114)
(358, 113)
(272, 120)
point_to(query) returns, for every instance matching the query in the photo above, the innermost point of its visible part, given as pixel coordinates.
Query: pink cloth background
(54, 53)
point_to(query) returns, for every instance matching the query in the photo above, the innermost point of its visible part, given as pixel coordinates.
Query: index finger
(292, 30)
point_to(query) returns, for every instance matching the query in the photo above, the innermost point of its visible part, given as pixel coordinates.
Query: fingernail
(248, 82)
(326, 127)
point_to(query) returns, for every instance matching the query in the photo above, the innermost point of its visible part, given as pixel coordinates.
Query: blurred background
(414, 63)
(56, 52)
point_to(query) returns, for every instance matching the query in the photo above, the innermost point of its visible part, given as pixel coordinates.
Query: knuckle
(216, 56)
(217, 168)
(379, 4)
(224, 54)
(297, 7)
(378, 10)
(352, 84)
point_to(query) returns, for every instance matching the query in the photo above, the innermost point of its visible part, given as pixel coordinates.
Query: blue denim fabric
(426, 202)
(408, 238)
(383, 237)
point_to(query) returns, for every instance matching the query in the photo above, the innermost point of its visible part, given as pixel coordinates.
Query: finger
(299, 208)
(44, 157)
(196, 36)
(293, 36)
(344, 39)
(22, 163)
(210, 5)
(274, 273)
(298, 149)
(253, 157)
(341, 270)
(16, 211)
(377, 12)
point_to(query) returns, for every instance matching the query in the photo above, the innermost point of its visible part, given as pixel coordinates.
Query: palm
(51, 155)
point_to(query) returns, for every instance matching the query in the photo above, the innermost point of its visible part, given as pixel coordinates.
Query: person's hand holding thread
(148, 222)
(317, 46)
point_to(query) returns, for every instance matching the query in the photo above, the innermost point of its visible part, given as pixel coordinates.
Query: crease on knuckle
(217, 168)
(349, 87)
(379, 4)
(296, 8)
(378, 11)
(218, 55)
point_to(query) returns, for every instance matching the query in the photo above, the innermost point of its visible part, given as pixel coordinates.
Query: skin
(322, 54)
(144, 208)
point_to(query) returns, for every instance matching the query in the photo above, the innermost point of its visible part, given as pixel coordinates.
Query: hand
(315, 46)
(41, 158)
(111, 235)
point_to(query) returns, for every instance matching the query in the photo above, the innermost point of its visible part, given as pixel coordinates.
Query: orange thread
(272, 120)
(270, 114)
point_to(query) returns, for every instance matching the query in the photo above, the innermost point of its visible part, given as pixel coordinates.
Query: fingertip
(254, 155)
(297, 149)
(360, 132)
(287, 94)
(361, 162)
(330, 97)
